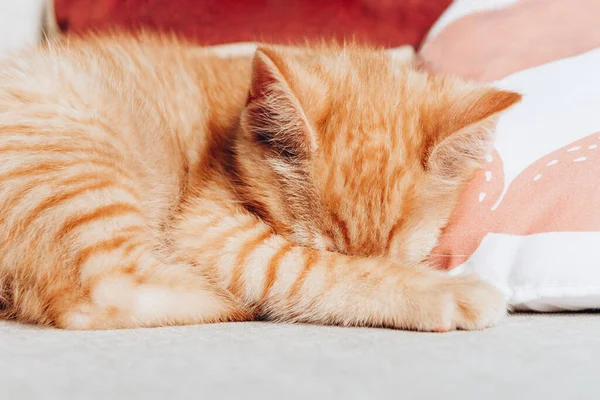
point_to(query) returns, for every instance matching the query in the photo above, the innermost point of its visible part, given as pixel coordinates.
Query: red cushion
(381, 22)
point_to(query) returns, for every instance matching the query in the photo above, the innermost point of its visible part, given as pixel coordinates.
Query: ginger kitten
(145, 182)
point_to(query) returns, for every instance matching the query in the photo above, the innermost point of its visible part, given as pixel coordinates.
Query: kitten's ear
(273, 115)
(469, 139)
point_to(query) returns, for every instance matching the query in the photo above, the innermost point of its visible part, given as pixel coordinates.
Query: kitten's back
(96, 138)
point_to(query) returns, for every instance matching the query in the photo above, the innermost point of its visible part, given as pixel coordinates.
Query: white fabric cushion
(529, 222)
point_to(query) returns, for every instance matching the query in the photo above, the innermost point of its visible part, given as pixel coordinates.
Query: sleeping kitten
(147, 183)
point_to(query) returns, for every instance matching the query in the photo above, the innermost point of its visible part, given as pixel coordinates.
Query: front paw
(442, 303)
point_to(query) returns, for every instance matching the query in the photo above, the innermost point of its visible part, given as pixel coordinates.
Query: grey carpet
(528, 356)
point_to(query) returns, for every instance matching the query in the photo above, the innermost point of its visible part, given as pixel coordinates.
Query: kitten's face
(349, 151)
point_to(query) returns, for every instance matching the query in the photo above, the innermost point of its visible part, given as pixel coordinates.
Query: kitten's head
(348, 150)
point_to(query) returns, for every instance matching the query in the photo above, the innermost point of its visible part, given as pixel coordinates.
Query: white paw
(441, 303)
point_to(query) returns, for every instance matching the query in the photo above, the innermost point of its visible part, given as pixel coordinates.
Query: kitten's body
(141, 185)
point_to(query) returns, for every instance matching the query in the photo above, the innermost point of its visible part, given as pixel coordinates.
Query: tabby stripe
(139, 231)
(26, 131)
(221, 238)
(235, 287)
(132, 246)
(53, 201)
(398, 225)
(328, 283)
(128, 269)
(395, 229)
(343, 227)
(103, 246)
(95, 175)
(78, 151)
(52, 148)
(311, 261)
(273, 267)
(113, 135)
(145, 272)
(131, 268)
(140, 240)
(108, 211)
(40, 169)
(17, 197)
(57, 166)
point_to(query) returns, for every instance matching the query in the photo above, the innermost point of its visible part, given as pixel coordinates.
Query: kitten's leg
(150, 294)
(290, 283)
(78, 249)
(301, 284)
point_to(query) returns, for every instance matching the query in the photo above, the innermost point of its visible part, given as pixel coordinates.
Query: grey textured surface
(528, 356)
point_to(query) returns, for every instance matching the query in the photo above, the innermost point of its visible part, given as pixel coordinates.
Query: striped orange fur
(147, 182)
